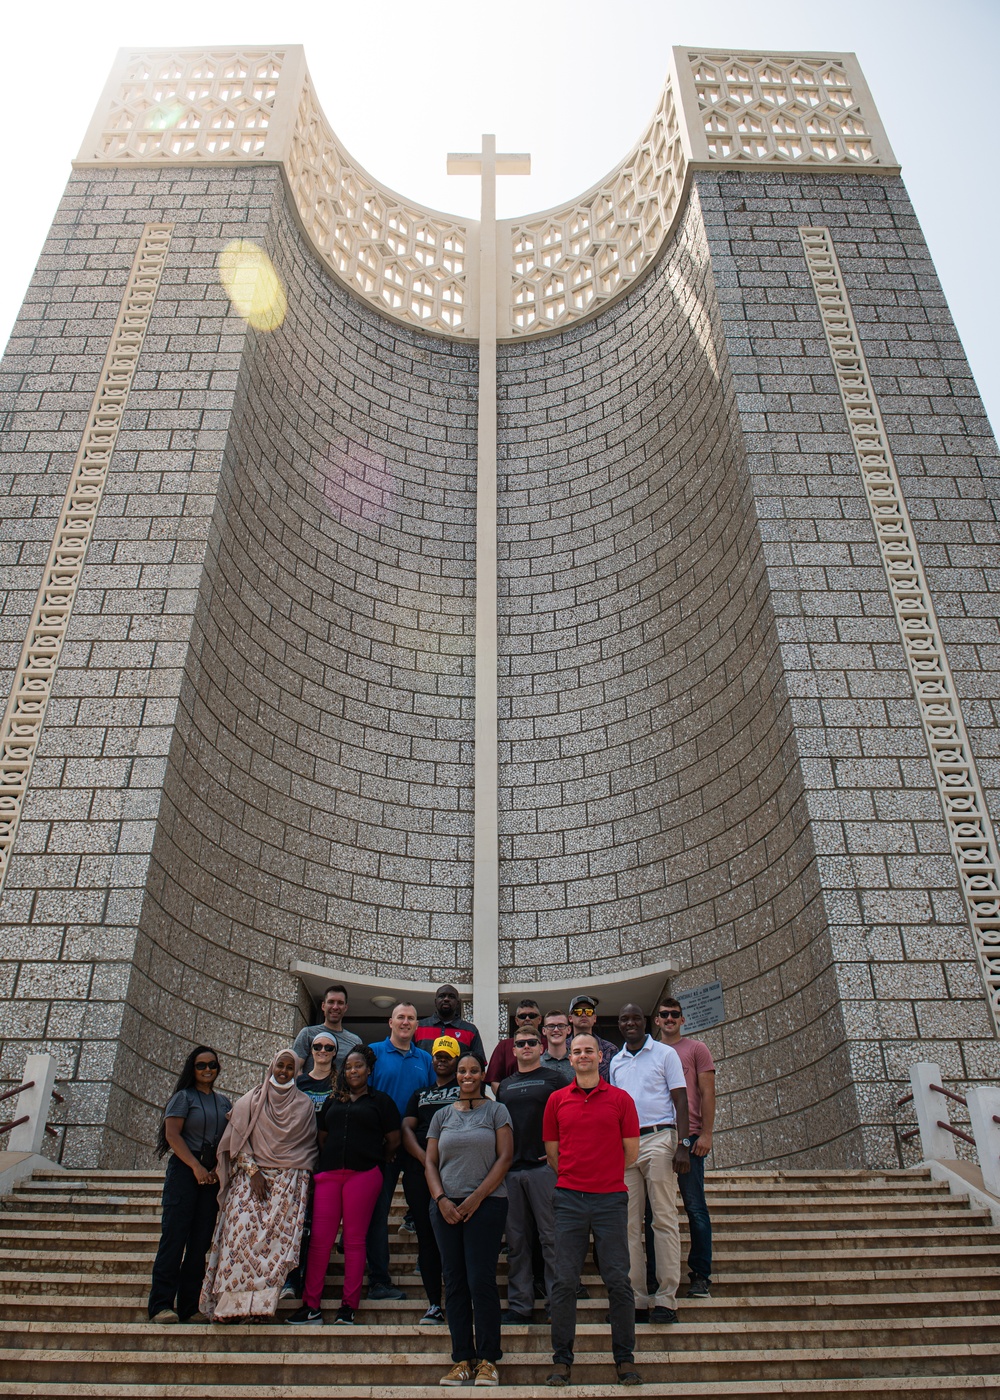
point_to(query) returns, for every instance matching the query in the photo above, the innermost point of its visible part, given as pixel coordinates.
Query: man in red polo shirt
(591, 1133)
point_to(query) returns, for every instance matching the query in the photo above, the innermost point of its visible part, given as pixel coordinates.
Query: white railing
(28, 1126)
(938, 1136)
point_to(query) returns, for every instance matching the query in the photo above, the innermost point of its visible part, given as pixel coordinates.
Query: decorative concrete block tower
(603, 598)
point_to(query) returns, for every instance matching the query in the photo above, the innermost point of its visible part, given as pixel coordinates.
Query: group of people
(560, 1138)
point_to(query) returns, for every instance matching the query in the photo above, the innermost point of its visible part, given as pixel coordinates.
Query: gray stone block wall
(651, 797)
(71, 905)
(907, 980)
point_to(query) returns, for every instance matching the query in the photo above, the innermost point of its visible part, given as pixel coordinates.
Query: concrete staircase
(865, 1284)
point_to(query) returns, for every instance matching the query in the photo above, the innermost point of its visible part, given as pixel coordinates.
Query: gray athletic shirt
(467, 1146)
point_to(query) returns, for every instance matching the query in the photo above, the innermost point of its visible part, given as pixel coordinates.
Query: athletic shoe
(305, 1315)
(627, 1374)
(509, 1318)
(660, 1315)
(460, 1374)
(406, 1225)
(432, 1316)
(559, 1375)
(165, 1315)
(379, 1291)
(700, 1287)
(287, 1291)
(345, 1316)
(486, 1374)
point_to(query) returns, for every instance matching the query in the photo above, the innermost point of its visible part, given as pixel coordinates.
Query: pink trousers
(347, 1196)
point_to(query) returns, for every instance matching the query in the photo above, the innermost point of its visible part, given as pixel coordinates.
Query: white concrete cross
(486, 852)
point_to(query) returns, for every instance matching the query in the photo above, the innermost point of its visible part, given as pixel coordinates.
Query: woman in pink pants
(359, 1130)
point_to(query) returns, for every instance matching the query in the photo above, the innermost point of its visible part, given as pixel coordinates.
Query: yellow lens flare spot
(253, 285)
(164, 116)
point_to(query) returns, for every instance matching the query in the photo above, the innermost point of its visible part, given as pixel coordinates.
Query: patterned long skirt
(256, 1244)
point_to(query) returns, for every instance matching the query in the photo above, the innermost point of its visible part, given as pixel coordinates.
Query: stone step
(38, 1305)
(252, 1366)
(972, 1387)
(760, 1334)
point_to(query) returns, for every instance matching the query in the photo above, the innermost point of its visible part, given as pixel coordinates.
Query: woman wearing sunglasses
(193, 1123)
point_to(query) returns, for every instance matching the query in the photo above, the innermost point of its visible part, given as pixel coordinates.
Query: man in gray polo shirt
(334, 1009)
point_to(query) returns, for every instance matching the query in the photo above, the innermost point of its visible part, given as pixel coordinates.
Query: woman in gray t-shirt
(470, 1146)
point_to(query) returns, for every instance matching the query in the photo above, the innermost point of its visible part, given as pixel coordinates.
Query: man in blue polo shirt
(400, 1070)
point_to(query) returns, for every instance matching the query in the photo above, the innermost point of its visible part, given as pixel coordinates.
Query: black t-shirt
(356, 1132)
(319, 1090)
(525, 1096)
(423, 1105)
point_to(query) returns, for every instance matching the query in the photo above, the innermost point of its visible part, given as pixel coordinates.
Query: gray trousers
(577, 1213)
(530, 1192)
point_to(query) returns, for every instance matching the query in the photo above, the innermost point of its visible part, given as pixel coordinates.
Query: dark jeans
(469, 1254)
(418, 1198)
(377, 1240)
(189, 1212)
(577, 1213)
(692, 1189)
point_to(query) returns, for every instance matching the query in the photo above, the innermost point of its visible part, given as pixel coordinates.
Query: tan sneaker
(460, 1374)
(486, 1374)
(165, 1315)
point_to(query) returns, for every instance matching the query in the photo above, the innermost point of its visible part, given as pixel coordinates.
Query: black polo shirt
(356, 1132)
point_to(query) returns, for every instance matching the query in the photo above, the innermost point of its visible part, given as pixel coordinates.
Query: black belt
(655, 1128)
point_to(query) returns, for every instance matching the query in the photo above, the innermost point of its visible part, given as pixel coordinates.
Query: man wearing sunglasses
(503, 1061)
(699, 1074)
(531, 1181)
(583, 1017)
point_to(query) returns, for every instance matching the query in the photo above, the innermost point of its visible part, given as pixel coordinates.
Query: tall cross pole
(486, 850)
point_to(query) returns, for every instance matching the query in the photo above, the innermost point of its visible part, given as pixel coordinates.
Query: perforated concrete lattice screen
(411, 262)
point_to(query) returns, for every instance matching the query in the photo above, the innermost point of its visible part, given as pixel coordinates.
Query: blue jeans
(577, 1213)
(469, 1254)
(692, 1189)
(377, 1241)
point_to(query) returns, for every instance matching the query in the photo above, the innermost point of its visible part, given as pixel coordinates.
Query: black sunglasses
(206, 1064)
(523, 1044)
(323, 1049)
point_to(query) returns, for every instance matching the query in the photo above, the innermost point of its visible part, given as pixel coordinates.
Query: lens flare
(358, 484)
(252, 284)
(164, 116)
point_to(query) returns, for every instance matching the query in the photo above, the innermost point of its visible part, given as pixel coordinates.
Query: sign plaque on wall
(702, 1007)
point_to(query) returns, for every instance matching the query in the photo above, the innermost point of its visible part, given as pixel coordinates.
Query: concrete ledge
(15, 1166)
(965, 1179)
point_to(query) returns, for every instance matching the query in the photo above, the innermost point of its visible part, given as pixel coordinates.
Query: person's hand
(259, 1186)
(468, 1207)
(203, 1176)
(682, 1161)
(703, 1146)
(449, 1211)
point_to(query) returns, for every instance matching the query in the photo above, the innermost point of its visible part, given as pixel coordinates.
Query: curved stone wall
(318, 802)
(651, 799)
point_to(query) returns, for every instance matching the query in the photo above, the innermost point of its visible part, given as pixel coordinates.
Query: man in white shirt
(655, 1080)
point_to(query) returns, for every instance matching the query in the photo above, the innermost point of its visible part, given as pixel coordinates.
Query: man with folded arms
(591, 1133)
(530, 1183)
(652, 1074)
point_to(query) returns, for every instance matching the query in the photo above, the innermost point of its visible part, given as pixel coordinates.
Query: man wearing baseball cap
(424, 1103)
(583, 1018)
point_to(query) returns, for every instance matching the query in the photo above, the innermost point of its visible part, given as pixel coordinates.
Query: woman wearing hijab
(193, 1122)
(265, 1158)
(359, 1130)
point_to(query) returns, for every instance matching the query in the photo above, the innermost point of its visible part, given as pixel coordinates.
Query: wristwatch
(686, 1142)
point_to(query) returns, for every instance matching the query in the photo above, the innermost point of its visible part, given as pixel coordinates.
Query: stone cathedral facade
(728, 709)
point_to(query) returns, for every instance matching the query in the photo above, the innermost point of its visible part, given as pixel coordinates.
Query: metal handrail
(957, 1132)
(4, 1127)
(911, 1134)
(937, 1089)
(907, 1098)
(10, 1093)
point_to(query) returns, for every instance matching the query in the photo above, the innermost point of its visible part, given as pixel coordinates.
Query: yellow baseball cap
(446, 1045)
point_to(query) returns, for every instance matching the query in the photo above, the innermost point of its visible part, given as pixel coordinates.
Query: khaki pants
(653, 1176)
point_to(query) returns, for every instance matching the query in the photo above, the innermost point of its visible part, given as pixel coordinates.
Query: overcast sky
(571, 81)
